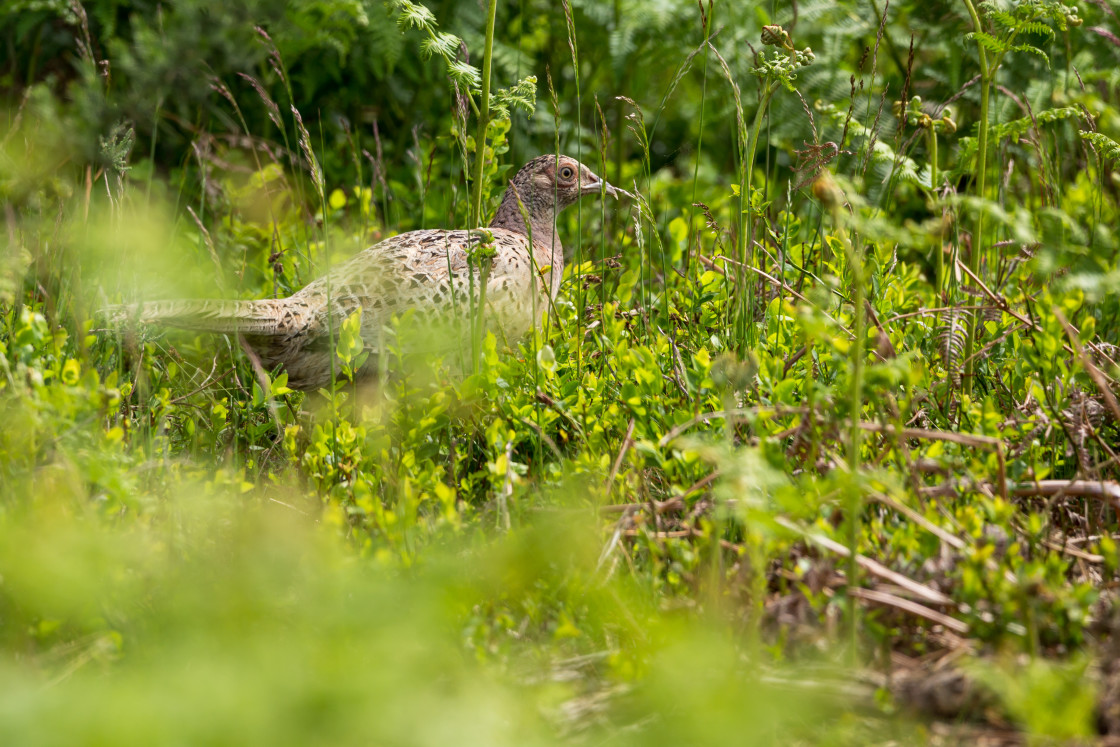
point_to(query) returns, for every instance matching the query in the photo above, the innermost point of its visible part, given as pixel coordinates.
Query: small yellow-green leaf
(71, 372)
(337, 200)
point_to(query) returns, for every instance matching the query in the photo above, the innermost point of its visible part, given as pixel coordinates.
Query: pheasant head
(545, 186)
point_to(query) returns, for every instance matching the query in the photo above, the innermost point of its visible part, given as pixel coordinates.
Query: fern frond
(443, 44)
(999, 17)
(1036, 27)
(1061, 112)
(1016, 128)
(413, 15)
(988, 42)
(950, 337)
(1105, 146)
(1031, 49)
(522, 95)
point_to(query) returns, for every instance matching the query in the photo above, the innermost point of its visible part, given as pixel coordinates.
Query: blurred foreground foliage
(222, 618)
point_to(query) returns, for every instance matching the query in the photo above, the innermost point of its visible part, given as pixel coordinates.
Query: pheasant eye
(566, 173)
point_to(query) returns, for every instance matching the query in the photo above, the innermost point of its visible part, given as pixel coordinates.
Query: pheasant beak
(598, 185)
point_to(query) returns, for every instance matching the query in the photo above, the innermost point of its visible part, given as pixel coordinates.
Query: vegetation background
(818, 444)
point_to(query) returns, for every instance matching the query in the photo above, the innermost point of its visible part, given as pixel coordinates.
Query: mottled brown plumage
(423, 270)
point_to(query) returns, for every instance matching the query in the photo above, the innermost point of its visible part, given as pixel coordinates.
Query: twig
(544, 437)
(674, 503)
(507, 489)
(984, 350)
(787, 288)
(209, 378)
(627, 442)
(938, 310)
(947, 537)
(890, 600)
(1105, 490)
(1094, 373)
(262, 379)
(883, 336)
(704, 417)
(1073, 552)
(210, 248)
(869, 565)
(965, 439)
(548, 401)
(677, 534)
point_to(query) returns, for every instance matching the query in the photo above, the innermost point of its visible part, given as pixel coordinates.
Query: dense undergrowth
(818, 441)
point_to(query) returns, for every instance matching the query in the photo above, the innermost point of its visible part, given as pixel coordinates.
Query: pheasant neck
(548, 252)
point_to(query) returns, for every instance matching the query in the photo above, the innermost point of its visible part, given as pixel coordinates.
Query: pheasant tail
(262, 317)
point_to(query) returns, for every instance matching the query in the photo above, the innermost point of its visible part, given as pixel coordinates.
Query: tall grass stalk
(535, 336)
(637, 126)
(274, 115)
(603, 217)
(746, 336)
(556, 150)
(833, 199)
(855, 435)
(986, 75)
(475, 219)
(316, 172)
(707, 20)
(276, 61)
(483, 118)
(577, 273)
(933, 180)
(734, 322)
(655, 236)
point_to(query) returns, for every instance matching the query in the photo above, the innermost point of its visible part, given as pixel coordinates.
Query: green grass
(831, 405)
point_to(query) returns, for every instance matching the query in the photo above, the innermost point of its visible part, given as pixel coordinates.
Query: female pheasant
(429, 271)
